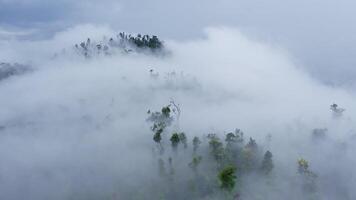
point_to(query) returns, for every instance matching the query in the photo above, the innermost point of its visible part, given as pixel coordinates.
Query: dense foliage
(125, 43)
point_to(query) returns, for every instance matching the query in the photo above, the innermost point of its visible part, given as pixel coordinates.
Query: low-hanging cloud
(76, 128)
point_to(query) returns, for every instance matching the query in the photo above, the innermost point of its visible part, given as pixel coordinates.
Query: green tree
(227, 178)
(160, 121)
(308, 178)
(217, 149)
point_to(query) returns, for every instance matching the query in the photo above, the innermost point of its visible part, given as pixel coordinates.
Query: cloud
(319, 34)
(76, 128)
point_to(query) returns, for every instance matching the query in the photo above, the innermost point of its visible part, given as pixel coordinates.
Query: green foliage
(267, 163)
(308, 177)
(303, 166)
(227, 178)
(145, 41)
(125, 42)
(160, 121)
(216, 149)
(229, 160)
(234, 148)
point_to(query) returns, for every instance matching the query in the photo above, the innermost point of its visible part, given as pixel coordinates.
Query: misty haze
(177, 100)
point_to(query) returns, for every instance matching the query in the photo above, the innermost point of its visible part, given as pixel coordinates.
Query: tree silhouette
(267, 163)
(175, 139)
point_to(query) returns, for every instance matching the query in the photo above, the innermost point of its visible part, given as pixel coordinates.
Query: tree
(252, 145)
(154, 43)
(230, 138)
(337, 111)
(183, 139)
(160, 121)
(166, 111)
(267, 163)
(175, 139)
(303, 166)
(308, 177)
(227, 178)
(217, 149)
(250, 156)
(157, 136)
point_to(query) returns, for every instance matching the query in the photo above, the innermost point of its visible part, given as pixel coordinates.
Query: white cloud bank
(71, 128)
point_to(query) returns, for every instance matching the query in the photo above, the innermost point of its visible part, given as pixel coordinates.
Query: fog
(76, 128)
(318, 33)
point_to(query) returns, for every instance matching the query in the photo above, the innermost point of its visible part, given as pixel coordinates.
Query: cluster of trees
(216, 165)
(123, 42)
(212, 166)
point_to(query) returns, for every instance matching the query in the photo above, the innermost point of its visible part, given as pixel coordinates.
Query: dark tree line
(123, 42)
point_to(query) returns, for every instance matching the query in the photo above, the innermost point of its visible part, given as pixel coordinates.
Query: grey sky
(320, 34)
